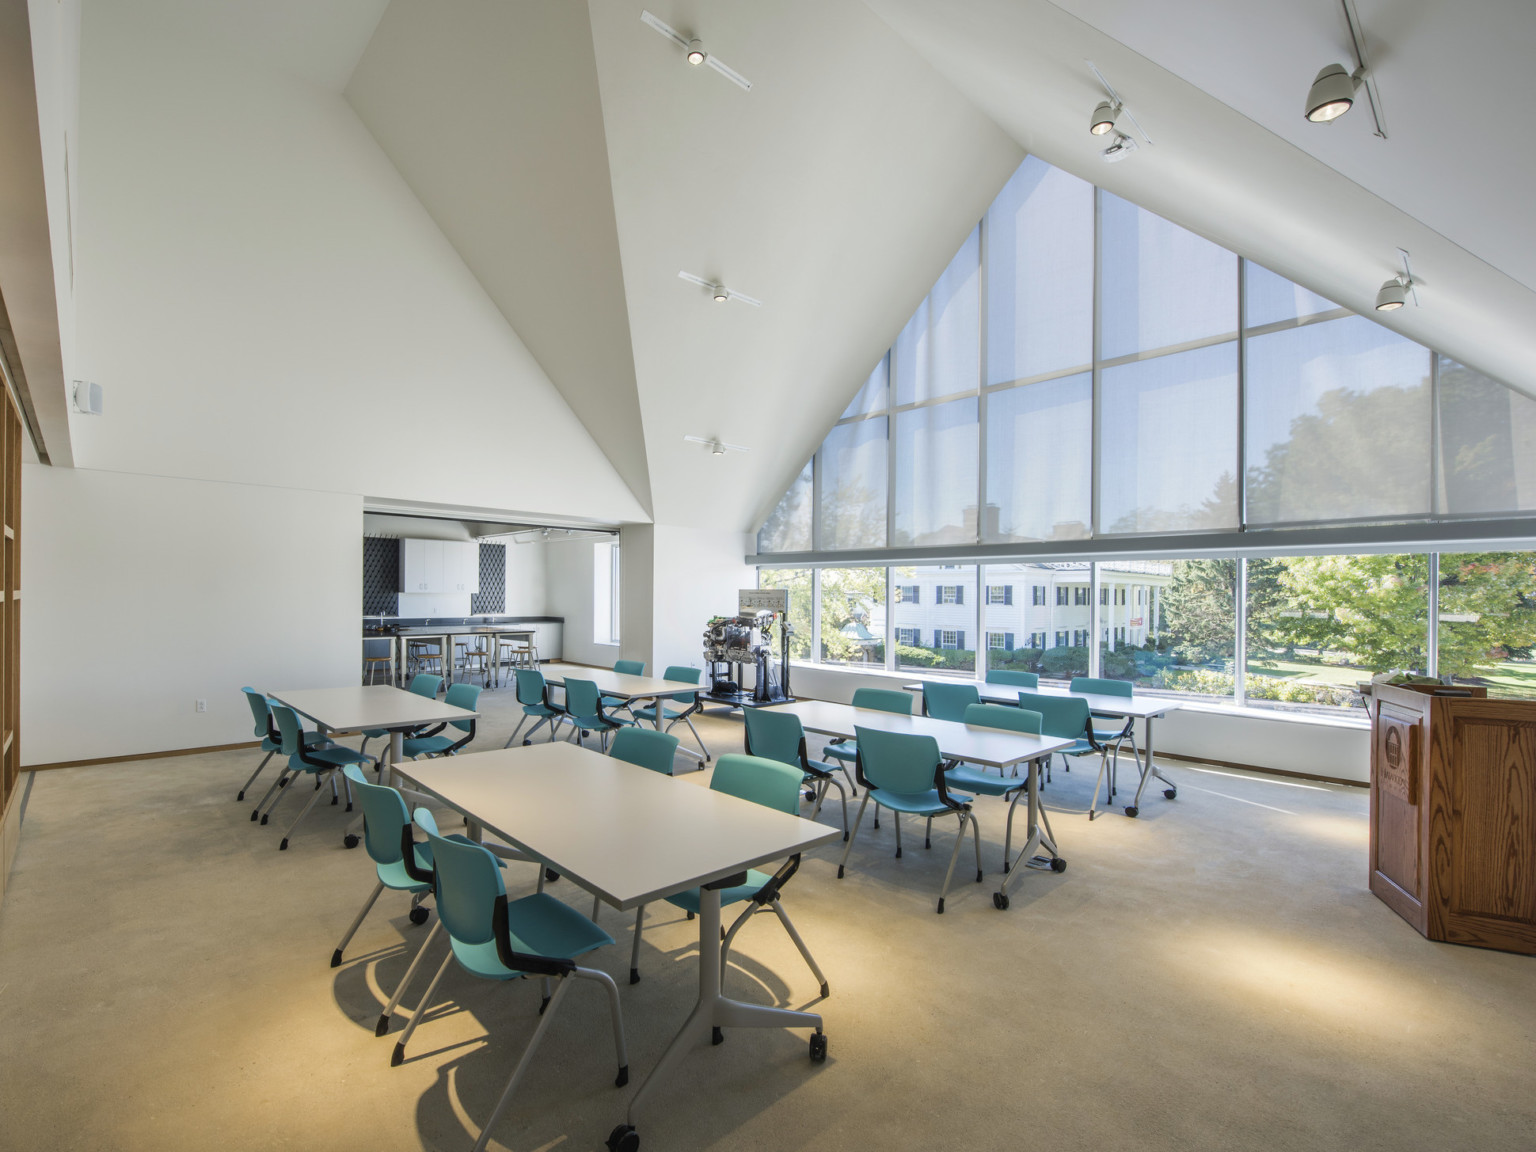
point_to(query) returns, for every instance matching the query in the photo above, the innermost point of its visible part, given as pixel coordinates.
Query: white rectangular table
(354, 709)
(1143, 708)
(969, 743)
(627, 688)
(630, 836)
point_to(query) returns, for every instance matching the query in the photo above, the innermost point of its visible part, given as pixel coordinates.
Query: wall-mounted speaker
(87, 398)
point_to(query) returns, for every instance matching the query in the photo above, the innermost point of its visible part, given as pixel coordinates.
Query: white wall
(569, 575)
(1333, 749)
(264, 300)
(142, 594)
(526, 584)
(698, 574)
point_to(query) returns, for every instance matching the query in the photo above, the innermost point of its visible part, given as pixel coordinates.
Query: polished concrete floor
(1213, 975)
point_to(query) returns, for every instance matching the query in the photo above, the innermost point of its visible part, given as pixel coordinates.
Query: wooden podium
(1453, 814)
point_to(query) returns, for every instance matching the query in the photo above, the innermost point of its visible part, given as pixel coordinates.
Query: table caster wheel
(623, 1139)
(818, 1047)
(349, 841)
(1000, 901)
(550, 875)
(1170, 792)
(1058, 865)
(1131, 810)
(419, 915)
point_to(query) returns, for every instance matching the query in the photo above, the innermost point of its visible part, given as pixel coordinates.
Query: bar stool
(420, 652)
(475, 659)
(375, 653)
(523, 654)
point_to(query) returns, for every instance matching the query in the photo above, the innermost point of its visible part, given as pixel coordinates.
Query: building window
(1061, 639)
(999, 640)
(1119, 635)
(1080, 595)
(1119, 595)
(951, 593)
(1037, 595)
(909, 594)
(1141, 596)
(1037, 639)
(1000, 594)
(1103, 595)
(948, 639)
(605, 592)
(1062, 594)
(907, 636)
(1080, 637)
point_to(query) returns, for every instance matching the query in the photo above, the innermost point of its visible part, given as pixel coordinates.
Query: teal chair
(321, 763)
(1111, 735)
(434, 742)
(533, 695)
(965, 777)
(780, 736)
(422, 685)
(905, 773)
(646, 747)
(948, 701)
(496, 938)
(271, 742)
(624, 668)
(773, 785)
(1012, 678)
(670, 716)
(880, 700)
(1067, 718)
(584, 709)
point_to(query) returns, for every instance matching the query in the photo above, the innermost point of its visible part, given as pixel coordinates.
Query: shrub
(1063, 662)
(1258, 687)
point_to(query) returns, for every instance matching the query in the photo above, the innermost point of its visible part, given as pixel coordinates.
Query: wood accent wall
(11, 781)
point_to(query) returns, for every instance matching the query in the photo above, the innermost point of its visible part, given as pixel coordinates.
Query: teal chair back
(1102, 687)
(530, 686)
(289, 728)
(682, 672)
(1005, 717)
(645, 747)
(424, 685)
(1012, 678)
(774, 735)
(1065, 717)
(767, 782)
(629, 667)
(582, 699)
(465, 696)
(466, 883)
(259, 714)
(897, 761)
(884, 700)
(948, 701)
(386, 820)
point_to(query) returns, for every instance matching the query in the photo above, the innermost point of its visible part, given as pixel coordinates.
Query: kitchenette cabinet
(439, 566)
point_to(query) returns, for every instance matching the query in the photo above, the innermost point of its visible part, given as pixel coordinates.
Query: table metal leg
(1039, 838)
(1147, 773)
(713, 1011)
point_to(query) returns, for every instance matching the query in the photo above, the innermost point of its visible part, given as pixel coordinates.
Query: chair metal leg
(241, 794)
(955, 855)
(823, 784)
(356, 924)
(269, 800)
(597, 905)
(522, 1065)
(634, 948)
(928, 834)
(847, 848)
(405, 981)
(896, 820)
(398, 1055)
(283, 844)
(778, 908)
(688, 720)
(616, 1011)
(1093, 805)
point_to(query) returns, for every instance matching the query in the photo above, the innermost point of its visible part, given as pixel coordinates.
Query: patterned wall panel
(492, 596)
(381, 575)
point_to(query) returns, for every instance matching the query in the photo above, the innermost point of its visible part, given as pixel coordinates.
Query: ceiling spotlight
(1103, 119)
(693, 48)
(719, 292)
(1332, 93)
(1395, 292)
(1122, 147)
(716, 446)
(695, 52)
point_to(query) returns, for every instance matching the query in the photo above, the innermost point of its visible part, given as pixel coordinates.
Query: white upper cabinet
(450, 566)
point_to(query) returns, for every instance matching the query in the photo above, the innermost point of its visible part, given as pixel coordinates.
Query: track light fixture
(696, 54)
(717, 291)
(1103, 119)
(721, 293)
(1334, 89)
(1395, 292)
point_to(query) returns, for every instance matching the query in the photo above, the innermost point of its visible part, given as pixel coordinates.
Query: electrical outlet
(202, 705)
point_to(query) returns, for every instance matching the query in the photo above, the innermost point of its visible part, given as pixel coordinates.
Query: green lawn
(1509, 680)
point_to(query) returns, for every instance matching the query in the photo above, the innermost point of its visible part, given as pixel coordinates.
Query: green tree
(852, 630)
(798, 581)
(1199, 616)
(1374, 608)
(1487, 608)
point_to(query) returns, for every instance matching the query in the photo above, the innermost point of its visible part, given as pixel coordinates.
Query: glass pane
(1318, 625)
(798, 581)
(1020, 616)
(1039, 274)
(1169, 626)
(1488, 621)
(939, 351)
(853, 616)
(853, 481)
(1040, 461)
(1270, 299)
(875, 394)
(788, 527)
(936, 452)
(1487, 443)
(1169, 454)
(1337, 420)
(1160, 284)
(934, 612)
